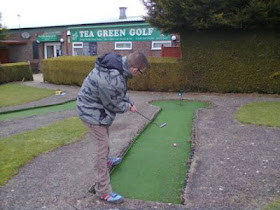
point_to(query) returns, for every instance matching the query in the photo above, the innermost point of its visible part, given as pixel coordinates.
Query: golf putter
(161, 126)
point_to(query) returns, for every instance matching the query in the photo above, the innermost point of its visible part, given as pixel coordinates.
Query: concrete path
(234, 166)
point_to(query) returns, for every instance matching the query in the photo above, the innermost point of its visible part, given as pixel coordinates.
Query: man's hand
(132, 108)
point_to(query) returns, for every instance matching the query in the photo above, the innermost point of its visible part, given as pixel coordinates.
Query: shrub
(165, 74)
(243, 62)
(67, 70)
(238, 62)
(15, 72)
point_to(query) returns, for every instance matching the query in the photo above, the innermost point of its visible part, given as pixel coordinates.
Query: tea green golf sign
(129, 32)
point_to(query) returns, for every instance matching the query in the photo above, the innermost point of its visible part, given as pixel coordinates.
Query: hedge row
(15, 72)
(239, 62)
(69, 70)
(165, 74)
(242, 62)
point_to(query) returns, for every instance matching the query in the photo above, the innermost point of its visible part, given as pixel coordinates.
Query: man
(103, 95)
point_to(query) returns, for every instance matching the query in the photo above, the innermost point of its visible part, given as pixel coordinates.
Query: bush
(162, 76)
(238, 62)
(165, 74)
(15, 72)
(67, 70)
(242, 62)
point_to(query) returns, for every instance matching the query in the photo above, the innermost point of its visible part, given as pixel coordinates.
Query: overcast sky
(64, 12)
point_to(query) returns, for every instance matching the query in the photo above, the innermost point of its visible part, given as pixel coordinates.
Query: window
(35, 48)
(78, 48)
(156, 45)
(123, 45)
(84, 48)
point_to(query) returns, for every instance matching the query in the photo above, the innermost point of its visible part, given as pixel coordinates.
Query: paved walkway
(234, 166)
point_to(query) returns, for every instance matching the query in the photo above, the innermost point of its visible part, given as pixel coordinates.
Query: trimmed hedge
(240, 62)
(67, 70)
(72, 70)
(165, 74)
(15, 72)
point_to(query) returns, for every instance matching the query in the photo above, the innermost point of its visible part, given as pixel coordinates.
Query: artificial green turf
(17, 150)
(153, 169)
(38, 111)
(260, 113)
(14, 94)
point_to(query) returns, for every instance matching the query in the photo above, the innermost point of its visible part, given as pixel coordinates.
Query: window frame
(126, 48)
(76, 47)
(161, 42)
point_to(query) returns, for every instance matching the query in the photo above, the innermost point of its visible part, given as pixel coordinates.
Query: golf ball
(174, 145)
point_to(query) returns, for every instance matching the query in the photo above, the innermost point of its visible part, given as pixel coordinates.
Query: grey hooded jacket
(104, 91)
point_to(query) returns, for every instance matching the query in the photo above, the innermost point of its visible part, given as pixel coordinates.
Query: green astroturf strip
(38, 111)
(153, 169)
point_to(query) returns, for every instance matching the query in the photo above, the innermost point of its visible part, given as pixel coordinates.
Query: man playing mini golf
(103, 95)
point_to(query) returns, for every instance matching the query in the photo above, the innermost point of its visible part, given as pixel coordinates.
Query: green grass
(273, 205)
(17, 150)
(38, 111)
(14, 94)
(260, 113)
(153, 169)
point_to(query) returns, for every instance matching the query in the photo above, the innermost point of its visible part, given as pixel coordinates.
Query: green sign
(131, 32)
(47, 38)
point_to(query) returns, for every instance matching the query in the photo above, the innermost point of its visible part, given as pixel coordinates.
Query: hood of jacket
(113, 61)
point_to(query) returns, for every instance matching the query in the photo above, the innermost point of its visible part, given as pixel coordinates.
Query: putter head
(163, 125)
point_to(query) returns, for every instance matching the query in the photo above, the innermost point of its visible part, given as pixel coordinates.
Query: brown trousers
(101, 175)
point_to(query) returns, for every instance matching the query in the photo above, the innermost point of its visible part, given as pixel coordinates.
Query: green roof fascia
(38, 30)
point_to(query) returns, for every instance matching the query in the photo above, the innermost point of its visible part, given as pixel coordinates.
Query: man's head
(137, 63)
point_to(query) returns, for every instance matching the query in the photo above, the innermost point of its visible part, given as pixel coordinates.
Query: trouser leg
(100, 137)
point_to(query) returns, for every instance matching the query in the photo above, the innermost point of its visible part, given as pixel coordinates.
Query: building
(122, 35)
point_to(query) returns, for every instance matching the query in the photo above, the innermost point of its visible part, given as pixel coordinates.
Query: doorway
(52, 50)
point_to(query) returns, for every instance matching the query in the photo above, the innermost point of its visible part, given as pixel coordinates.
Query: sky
(34, 13)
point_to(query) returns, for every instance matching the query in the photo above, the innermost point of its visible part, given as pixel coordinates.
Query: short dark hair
(137, 60)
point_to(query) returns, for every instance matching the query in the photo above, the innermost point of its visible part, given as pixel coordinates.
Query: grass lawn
(14, 94)
(17, 150)
(273, 205)
(38, 111)
(260, 113)
(153, 169)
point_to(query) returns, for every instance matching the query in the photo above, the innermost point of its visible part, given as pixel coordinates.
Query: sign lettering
(132, 32)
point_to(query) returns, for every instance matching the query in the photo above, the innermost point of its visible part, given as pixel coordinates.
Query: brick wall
(174, 52)
(144, 47)
(19, 53)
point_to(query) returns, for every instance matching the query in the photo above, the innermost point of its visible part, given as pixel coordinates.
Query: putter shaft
(147, 118)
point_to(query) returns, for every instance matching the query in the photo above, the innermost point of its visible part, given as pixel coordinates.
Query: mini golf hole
(154, 169)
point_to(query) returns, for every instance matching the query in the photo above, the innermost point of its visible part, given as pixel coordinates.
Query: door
(52, 50)
(4, 55)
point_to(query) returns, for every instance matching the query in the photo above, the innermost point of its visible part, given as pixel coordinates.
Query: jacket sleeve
(113, 95)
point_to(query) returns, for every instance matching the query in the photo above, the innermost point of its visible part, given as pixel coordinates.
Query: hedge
(72, 70)
(67, 70)
(243, 62)
(165, 74)
(239, 62)
(15, 72)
